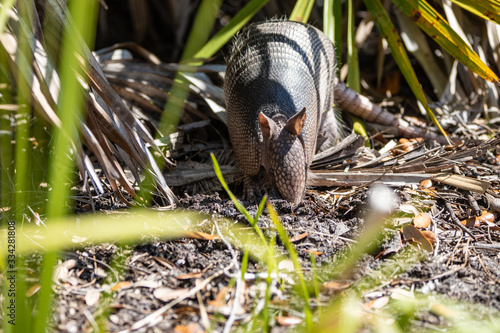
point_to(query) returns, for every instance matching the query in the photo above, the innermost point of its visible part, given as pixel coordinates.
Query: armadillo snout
(288, 165)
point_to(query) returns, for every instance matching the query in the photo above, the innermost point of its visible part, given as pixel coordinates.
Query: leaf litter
(195, 283)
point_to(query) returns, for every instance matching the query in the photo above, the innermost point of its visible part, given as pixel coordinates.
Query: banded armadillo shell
(278, 68)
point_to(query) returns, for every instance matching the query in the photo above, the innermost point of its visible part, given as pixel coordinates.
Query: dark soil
(458, 268)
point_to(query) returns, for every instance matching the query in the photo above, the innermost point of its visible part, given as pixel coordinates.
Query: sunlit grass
(20, 177)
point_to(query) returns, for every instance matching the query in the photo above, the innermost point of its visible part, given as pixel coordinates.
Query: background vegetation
(62, 125)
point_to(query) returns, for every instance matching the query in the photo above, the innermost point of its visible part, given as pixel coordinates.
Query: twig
(484, 246)
(203, 311)
(473, 203)
(456, 221)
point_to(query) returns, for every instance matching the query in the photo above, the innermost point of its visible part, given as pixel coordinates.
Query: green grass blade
(329, 20)
(295, 259)
(388, 31)
(302, 10)
(6, 137)
(70, 104)
(352, 52)
(337, 14)
(237, 204)
(353, 75)
(23, 119)
(84, 14)
(488, 10)
(43, 305)
(225, 34)
(434, 25)
(315, 280)
(202, 27)
(332, 25)
(4, 13)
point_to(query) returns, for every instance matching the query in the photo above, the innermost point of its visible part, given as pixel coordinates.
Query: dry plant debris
(443, 239)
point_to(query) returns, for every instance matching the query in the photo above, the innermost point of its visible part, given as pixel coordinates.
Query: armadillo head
(284, 155)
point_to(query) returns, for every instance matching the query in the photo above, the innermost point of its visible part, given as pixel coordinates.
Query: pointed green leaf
(353, 80)
(4, 13)
(202, 26)
(489, 10)
(225, 34)
(388, 31)
(434, 25)
(302, 11)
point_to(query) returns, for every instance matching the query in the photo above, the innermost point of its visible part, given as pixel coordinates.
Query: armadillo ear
(295, 124)
(265, 124)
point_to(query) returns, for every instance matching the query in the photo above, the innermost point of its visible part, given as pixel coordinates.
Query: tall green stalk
(23, 116)
(70, 105)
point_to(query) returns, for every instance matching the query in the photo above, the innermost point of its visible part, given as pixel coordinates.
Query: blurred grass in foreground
(55, 164)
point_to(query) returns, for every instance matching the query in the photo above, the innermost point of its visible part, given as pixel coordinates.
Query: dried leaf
(288, 320)
(487, 218)
(463, 182)
(166, 294)
(334, 286)
(422, 220)
(200, 235)
(219, 299)
(377, 303)
(189, 276)
(471, 222)
(299, 237)
(412, 234)
(33, 290)
(120, 285)
(316, 253)
(165, 262)
(147, 284)
(427, 183)
(431, 237)
(92, 297)
(286, 265)
(189, 328)
(409, 209)
(61, 273)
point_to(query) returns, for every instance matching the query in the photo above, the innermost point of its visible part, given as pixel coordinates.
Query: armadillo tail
(359, 105)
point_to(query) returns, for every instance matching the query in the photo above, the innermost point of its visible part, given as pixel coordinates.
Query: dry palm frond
(439, 163)
(111, 132)
(144, 83)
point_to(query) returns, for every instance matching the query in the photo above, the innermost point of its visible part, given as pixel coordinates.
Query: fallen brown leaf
(121, 284)
(431, 237)
(33, 290)
(422, 221)
(427, 183)
(377, 303)
(189, 276)
(471, 222)
(334, 286)
(166, 294)
(288, 320)
(412, 234)
(200, 235)
(299, 237)
(189, 328)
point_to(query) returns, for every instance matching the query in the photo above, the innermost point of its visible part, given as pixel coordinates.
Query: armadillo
(279, 83)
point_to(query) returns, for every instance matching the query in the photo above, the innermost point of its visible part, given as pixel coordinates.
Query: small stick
(456, 221)
(473, 203)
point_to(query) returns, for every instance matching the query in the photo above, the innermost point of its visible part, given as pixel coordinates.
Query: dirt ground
(192, 284)
(188, 285)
